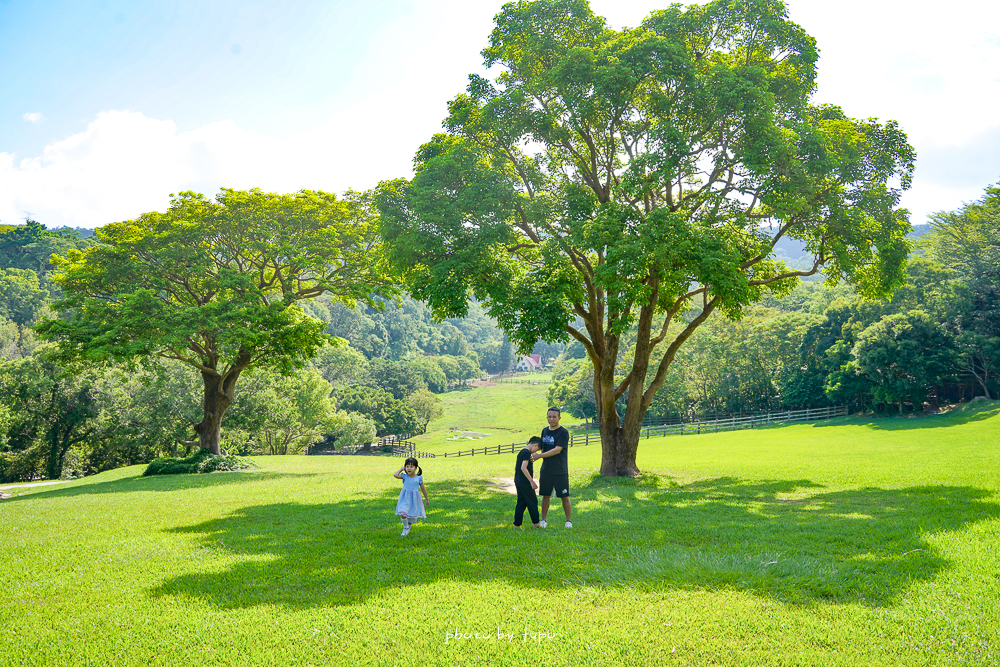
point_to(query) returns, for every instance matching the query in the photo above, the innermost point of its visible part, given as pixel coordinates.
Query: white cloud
(34, 117)
(937, 76)
(125, 163)
(934, 69)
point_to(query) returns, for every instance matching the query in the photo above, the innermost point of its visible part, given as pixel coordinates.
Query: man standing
(554, 475)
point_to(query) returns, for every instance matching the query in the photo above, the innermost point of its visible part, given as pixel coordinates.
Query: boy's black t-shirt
(522, 456)
(558, 464)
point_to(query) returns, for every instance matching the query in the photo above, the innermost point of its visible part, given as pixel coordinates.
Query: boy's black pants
(526, 499)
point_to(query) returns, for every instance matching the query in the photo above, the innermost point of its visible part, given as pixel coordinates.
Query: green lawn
(501, 415)
(850, 542)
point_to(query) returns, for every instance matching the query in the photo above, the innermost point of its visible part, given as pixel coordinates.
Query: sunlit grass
(853, 542)
(498, 415)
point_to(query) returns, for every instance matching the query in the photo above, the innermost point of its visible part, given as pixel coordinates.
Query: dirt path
(28, 486)
(14, 487)
(505, 484)
(470, 435)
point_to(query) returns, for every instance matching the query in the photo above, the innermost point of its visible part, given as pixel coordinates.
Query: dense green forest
(936, 340)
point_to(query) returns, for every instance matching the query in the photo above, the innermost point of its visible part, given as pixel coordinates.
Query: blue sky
(106, 107)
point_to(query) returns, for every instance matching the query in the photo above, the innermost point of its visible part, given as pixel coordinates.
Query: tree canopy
(609, 180)
(214, 284)
(967, 242)
(31, 246)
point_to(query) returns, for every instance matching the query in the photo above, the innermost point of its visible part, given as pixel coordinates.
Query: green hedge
(200, 462)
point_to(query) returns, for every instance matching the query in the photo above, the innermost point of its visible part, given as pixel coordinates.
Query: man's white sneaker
(569, 524)
(543, 524)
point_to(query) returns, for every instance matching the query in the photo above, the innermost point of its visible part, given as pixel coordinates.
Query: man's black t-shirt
(522, 456)
(558, 464)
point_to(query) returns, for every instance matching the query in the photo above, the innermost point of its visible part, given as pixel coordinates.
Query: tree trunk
(57, 452)
(618, 451)
(620, 439)
(982, 383)
(219, 395)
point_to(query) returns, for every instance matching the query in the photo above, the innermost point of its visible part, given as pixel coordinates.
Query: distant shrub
(201, 461)
(23, 466)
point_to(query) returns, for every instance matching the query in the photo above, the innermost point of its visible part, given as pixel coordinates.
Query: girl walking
(408, 507)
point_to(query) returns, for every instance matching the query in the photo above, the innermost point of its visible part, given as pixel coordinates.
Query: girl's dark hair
(414, 462)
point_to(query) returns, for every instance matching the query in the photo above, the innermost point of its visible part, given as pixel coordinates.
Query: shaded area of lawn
(787, 540)
(162, 483)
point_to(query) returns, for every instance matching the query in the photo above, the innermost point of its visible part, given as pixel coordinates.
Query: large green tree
(214, 284)
(903, 355)
(426, 406)
(49, 411)
(391, 416)
(967, 241)
(21, 295)
(610, 179)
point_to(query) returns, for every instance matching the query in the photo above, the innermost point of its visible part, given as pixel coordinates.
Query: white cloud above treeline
(125, 163)
(936, 75)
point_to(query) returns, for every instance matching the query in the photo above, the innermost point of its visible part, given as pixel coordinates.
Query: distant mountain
(793, 251)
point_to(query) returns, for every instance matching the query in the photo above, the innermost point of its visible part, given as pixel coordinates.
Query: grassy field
(499, 415)
(848, 542)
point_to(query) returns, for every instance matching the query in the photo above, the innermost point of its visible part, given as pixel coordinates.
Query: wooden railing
(517, 377)
(690, 428)
(397, 441)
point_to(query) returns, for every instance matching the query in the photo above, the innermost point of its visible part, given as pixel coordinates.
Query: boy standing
(525, 485)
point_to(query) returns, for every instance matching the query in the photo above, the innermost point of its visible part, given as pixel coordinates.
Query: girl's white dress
(410, 502)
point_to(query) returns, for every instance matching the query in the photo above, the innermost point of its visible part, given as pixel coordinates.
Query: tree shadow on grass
(165, 483)
(785, 540)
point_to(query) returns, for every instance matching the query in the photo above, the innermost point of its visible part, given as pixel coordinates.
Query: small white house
(531, 362)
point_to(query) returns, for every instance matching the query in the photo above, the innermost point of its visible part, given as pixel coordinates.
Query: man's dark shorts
(547, 482)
